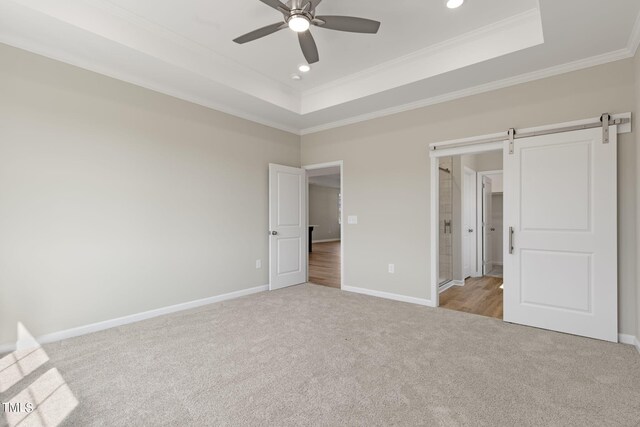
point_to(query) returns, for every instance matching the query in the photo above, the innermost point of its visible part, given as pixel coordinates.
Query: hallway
(324, 264)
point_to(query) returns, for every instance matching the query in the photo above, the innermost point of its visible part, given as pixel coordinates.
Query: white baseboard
(387, 295)
(630, 340)
(132, 318)
(450, 284)
(325, 240)
(626, 339)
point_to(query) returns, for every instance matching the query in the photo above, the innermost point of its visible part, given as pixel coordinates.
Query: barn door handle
(511, 232)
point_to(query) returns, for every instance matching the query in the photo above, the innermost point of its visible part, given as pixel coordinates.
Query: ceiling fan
(299, 15)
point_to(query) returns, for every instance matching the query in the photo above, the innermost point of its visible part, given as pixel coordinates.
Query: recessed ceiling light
(452, 4)
(299, 23)
(304, 68)
(296, 77)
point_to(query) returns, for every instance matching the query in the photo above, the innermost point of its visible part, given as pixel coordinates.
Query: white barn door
(287, 226)
(561, 233)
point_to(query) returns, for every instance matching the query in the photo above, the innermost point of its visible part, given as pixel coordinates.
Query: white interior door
(487, 225)
(560, 200)
(469, 233)
(287, 226)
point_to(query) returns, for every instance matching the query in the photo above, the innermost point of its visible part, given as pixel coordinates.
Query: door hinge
(606, 117)
(512, 134)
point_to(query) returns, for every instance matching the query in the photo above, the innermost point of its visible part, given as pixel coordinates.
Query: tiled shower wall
(446, 216)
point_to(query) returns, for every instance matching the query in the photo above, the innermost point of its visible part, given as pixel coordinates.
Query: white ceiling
(408, 26)
(423, 54)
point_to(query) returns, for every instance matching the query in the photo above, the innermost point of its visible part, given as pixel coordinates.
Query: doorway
(325, 222)
(468, 236)
(491, 213)
(560, 223)
(470, 221)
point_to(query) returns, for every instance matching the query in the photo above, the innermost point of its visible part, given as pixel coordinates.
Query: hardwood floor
(479, 295)
(324, 264)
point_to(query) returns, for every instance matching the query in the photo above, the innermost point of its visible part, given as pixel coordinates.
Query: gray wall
(323, 212)
(483, 162)
(115, 199)
(386, 172)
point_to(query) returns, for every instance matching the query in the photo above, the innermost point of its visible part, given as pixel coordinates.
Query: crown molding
(509, 35)
(124, 28)
(428, 51)
(163, 89)
(384, 71)
(634, 38)
(476, 90)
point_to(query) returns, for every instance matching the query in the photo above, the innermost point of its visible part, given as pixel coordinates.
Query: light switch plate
(352, 219)
(258, 263)
(392, 268)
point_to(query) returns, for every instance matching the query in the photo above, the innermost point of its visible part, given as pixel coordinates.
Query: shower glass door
(446, 217)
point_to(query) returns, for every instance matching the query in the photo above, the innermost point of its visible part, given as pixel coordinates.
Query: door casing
(481, 175)
(470, 266)
(339, 163)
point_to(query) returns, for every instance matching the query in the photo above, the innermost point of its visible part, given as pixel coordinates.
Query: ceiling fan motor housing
(299, 9)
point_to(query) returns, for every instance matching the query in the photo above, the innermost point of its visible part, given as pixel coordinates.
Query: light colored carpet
(312, 355)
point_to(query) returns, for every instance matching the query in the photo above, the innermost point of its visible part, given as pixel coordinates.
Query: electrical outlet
(392, 268)
(352, 219)
(258, 263)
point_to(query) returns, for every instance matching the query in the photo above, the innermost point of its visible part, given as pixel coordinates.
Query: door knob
(471, 230)
(274, 233)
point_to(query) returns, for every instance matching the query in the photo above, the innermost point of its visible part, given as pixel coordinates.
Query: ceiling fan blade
(348, 23)
(308, 46)
(261, 32)
(277, 5)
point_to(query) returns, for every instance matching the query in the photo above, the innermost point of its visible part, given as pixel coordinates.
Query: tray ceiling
(424, 52)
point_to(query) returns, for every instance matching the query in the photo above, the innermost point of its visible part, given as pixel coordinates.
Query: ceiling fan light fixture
(299, 16)
(299, 23)
(304, 68)
(452, 4)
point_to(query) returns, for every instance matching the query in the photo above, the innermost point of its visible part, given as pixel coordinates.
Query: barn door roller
(606, 117)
